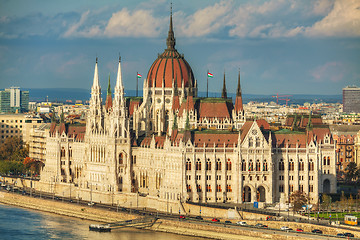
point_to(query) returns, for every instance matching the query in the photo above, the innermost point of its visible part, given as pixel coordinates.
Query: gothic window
(188, 187)
(265, 166)
(62, 152)
(291, 165)
(218, 164)
(257, 142)
(228, 165)
(188, 164)
(281, 188)
(121, 180)
(251, 142)
(243, 165)
(198, 165)
(311, 188)
(198, 188)
(301, 165)
(311, 165)
(324, 160)
(291, 188)
(257, 165)
(121, 159)
(70, 152)
(328, 161)
(208, 164)
(208, 188)
(301, 188)
(281, 165)
(228, 188)
(251, 167)
(218, 188)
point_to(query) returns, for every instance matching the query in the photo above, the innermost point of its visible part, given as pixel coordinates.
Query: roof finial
(224, 93)
(170, 41)
(96, 59)
(119, 57)
(238, 91)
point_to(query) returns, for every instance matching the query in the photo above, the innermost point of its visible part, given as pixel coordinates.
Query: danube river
(19, 223)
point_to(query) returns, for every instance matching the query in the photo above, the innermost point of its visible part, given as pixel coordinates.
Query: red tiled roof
(238, 104)
(159, 141)
(132, 105)
(283, 140)
(214, 110)
(219, 139)
(168, 66)
(245, 129)
(72, 131)
(176, 103)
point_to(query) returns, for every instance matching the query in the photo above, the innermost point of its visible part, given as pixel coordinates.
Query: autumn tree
(351, 172)
(32, 165)
(298, 199)
(13, 149)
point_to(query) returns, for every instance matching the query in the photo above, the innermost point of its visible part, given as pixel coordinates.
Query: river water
(18, 223)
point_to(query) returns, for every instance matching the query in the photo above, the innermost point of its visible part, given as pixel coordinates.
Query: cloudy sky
(284, 46)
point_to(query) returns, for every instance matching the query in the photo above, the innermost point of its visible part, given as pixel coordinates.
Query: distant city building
(14, 100)
(18, 125)
(351, 99)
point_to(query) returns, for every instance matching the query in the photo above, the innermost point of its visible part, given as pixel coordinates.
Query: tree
(343, 201)
(13, 149)
(351, 172)
(298, 199)
(326, 201)
(32, 165)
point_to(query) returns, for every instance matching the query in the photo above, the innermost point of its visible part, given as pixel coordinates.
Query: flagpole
(137, 80)
(207, 84)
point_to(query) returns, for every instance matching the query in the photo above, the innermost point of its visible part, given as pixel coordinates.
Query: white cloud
(322, 7)
(139, 23)
(342, 21)
(73, 30)
(330, 71)
(205, 21)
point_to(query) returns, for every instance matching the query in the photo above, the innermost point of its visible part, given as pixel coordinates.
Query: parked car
(91, 204)
(215, 220)
(340, 235)
(299, 230)
(348, 235)
(242, 223)
(181, 217)
(261, 225)
(228, 222)
(316, 231)
(285, 228)
(199, 218)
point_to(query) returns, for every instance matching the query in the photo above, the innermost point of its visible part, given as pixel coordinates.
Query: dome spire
(170, 41)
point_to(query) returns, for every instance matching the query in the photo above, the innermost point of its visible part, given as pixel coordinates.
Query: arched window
(228, 165)
(208, 164)
(257, 165)
(281, 165)
(121, 160)
(251, 167)
(218, 164)
(328, 161)
(324, 161)
(291, 165)
(243, 165)
(188, 164)
(62, 152)
(311, 165)
(265, 166)
(301, 165)
(251, 142)
(257, 142)
(198, 164)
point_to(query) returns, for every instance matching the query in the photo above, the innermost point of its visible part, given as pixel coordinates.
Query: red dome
(170, 66)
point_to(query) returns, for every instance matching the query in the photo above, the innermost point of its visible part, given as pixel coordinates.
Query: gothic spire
(119, 78)
(96, 75)
(108, 103)
(170, 41)
(224, 93)
(238, 91)
(109, 88)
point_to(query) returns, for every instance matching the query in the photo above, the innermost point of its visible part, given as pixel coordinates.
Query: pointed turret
(119, 89)
(238, 102)
(224, 93)
(96, 75)
(170, 41)
(108, 103)
(176, 102)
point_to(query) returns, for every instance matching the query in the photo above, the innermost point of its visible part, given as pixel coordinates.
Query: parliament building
(171, 146)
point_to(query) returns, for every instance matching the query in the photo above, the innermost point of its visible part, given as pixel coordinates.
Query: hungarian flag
(139, 75)
(210, 75)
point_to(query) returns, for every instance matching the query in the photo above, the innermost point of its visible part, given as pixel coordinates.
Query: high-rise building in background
(351, 99)
(14, 100)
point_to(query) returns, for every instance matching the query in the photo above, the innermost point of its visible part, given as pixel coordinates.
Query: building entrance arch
(246, 194)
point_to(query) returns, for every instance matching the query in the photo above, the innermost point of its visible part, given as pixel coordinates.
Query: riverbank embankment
(164, 225)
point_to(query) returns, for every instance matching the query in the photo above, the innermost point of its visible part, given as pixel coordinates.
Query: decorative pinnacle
(238, 91)
(119, 57)
(170, 41)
